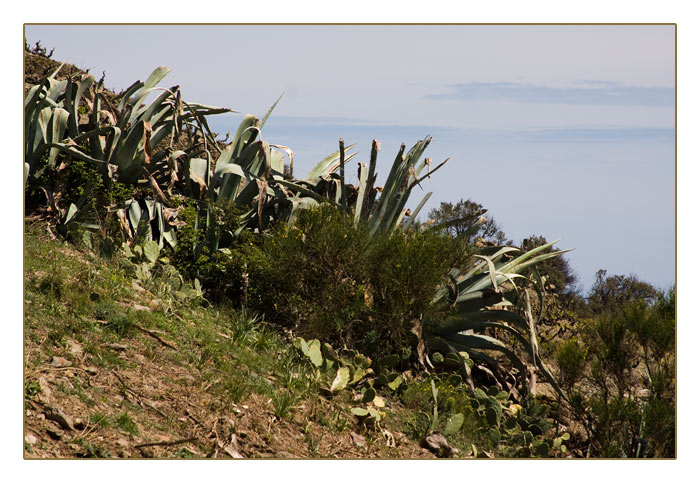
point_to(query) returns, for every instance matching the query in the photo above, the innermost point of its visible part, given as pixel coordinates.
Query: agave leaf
(269, 111)
(328, 165)
(247, 131)
(474, 343)
(476, 320)
(158, 104)
(70, 213)
(529, 255)
(125, 154)
(492, 271)
(197, 176)
(44, 122)
(142, 92)
(477, 299)
(56, 89)
(419, 207)
(58, 123)
(397, 188)
(297, 188)
(231, 183)
(134, 212)
(124, 98)
(73, 102)
(276, 160)
(204, 110)
(76, 153)
(232, 168)
(362, 188)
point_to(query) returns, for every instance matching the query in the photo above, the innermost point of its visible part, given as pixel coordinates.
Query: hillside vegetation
(192, 298)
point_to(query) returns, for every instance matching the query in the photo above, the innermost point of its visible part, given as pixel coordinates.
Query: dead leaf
(147, 130)
(417, 330)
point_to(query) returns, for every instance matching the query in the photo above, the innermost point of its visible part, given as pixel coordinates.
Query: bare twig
(155, 336)
(166, 443)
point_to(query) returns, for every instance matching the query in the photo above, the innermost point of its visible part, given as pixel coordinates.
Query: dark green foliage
(337, 282)
(560, 278)
(223, 271)
(459, 217)
(485, 419)
(571, 359)
(625, 396)
(609, 294)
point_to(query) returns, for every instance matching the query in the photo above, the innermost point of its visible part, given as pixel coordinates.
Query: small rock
(45, 389)
(122, 442)
(79, 424)
(358, 440)
(140, 307)
(438, 445)
(233, 452)
(74, 347)
(55, 414)
(30, 439)
(60, 362)
(91, 370)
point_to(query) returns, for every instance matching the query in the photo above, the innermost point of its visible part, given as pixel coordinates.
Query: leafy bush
(625, 396)
(222, 272)
(571, 359)
(334, 280)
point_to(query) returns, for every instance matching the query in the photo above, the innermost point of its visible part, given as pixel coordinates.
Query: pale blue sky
(564, 131)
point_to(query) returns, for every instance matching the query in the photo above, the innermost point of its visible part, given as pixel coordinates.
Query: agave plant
(50, 113)
(125, 142)
(493, 293)
(327, 183)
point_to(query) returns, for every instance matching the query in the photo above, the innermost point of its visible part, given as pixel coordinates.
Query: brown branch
(166, 443)
(155, 336)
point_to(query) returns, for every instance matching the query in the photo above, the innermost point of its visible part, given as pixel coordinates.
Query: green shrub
(224, 270)
(334, 280)
(625, 396)
(571, 359)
